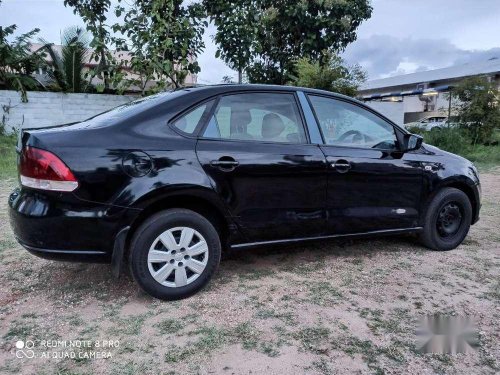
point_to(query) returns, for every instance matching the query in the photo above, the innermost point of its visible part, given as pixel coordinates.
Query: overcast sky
(401, 37)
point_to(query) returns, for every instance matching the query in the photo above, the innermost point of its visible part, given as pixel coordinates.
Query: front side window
(346, 124)
(268, 117)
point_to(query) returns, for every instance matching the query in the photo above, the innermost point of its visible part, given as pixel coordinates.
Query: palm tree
(17, 63)
(68, 64)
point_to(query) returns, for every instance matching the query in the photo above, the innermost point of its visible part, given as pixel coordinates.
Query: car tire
(162, 261)
(447, 220)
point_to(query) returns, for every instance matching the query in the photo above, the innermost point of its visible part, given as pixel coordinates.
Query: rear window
(127, 110)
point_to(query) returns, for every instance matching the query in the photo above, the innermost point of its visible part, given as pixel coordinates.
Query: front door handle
(342, 166)
(225, 163)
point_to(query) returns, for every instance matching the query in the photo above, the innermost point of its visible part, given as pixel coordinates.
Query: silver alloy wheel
(177, 257)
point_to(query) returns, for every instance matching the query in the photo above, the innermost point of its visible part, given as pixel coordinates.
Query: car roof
(231, 87)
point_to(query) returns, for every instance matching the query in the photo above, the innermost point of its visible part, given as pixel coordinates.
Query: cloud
(386, 55)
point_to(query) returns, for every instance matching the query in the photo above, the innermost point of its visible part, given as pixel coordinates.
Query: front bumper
(60, 226)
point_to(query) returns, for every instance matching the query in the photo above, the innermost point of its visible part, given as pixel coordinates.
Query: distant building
(191, 79)
(410, 97)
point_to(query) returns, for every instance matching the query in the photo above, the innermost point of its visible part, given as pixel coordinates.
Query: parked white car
(428, 123)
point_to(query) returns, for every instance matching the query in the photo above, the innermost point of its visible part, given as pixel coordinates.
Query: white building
(410, 97)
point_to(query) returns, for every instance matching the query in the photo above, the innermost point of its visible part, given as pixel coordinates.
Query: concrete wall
(50, 108)
(392, 110)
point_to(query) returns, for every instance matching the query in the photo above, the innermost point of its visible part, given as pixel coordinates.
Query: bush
(8, 164)
(449, 139)
(460, 142)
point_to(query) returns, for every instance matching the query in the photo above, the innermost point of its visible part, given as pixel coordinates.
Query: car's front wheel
(174, 254)
(447, 220)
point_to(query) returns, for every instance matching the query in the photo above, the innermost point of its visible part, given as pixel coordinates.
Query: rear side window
(189, 122)
(268, 117)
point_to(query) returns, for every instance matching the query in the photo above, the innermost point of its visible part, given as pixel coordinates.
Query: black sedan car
(165, 183)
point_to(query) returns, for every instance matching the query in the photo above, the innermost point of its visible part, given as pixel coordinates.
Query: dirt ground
(335, 307)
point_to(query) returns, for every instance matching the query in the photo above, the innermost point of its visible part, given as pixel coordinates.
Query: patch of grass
(352, 345)
(210, 338)
(8, 157)
(213, 338)
(7, 243)
(377, 322)
(269, 349)
(11, 366)
(286, 317)
(254, 274)
(168, 326)
(323, 293)
(322, 366)
(131, 325)
(494, 292)
(22, 330)
(312, 339)
(132, 368)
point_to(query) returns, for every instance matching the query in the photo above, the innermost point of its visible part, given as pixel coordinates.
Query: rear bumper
(60, 226)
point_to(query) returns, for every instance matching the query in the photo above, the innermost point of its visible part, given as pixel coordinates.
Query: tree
(477, 108)
(236, 23)
(333, 75)
(227, 79)
(93, 13)
(279, 32)
(17, 62)
(67, 66)
(163, 38)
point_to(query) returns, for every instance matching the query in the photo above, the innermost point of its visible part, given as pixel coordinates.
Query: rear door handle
(342, 166)
(225, 163)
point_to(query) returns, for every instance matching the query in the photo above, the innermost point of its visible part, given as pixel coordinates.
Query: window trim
(220, 96)
(398, 132)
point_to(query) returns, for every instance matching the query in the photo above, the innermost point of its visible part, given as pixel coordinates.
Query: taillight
(40, 169)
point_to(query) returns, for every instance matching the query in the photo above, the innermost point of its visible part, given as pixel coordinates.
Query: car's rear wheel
(174, 254)
(447, 220)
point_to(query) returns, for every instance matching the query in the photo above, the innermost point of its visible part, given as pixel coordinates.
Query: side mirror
(412, 142)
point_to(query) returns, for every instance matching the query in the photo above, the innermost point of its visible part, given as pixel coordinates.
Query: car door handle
(225, 163)
(342, 166)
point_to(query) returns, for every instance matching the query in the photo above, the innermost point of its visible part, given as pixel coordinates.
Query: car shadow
(75, 283)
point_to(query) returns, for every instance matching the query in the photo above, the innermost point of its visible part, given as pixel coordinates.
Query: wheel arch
(460, 184)
(200, 201)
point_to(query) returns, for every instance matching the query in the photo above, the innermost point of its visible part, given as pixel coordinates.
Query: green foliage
(164, 38)
(276, 33)
(67, 72)
(236, 31)
(17, 63)
(8, 164)
(478, 108)
(93, 13)
(458, 141)
(333, 75)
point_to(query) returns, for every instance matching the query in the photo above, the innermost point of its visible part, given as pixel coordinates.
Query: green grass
(168, 326)
(8, 165)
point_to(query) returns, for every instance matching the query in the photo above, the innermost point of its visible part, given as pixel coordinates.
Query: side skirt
(353, 235)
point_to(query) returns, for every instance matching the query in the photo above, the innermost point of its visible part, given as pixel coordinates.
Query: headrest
(272, 126)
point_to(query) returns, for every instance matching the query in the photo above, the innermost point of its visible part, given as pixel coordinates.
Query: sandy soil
(326, 308)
